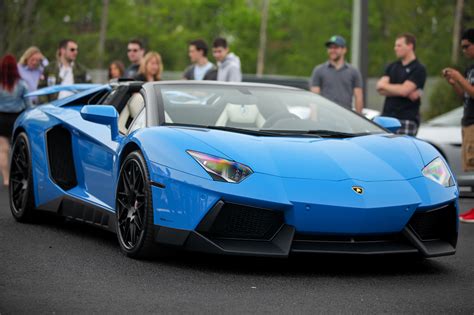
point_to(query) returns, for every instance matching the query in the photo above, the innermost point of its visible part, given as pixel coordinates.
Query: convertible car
(238, 169)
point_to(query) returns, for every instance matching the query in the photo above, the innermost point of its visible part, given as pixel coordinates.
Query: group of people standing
(402, 82)
(149, 66)
(402, 85)
(33, 71)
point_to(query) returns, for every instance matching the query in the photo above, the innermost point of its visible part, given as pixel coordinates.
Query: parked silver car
(444, 132)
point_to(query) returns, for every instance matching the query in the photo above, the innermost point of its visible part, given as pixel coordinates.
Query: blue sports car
(239, 169)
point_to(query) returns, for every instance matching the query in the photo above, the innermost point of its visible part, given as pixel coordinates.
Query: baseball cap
(336, 40)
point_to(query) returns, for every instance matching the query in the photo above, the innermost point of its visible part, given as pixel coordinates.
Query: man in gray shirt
(337, 80)
(228, 64)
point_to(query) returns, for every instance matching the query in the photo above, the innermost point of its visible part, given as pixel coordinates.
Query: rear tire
(21, 191)
(134, 209)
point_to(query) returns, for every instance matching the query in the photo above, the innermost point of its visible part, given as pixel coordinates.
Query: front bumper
(241, 230)
(273, 216)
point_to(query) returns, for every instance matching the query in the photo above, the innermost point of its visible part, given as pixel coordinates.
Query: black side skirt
(73, 208)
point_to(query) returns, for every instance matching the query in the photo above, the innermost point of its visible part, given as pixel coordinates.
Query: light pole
(359, 47)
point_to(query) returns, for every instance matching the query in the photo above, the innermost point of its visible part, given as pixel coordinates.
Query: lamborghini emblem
(358, 190)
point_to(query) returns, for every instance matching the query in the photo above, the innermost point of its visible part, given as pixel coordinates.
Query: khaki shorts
(468, 148)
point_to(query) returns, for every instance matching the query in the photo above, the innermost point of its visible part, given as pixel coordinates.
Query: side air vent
(61, 163)
(436, 224)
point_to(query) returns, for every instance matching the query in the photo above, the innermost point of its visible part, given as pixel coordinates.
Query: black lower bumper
(285, 243)
(241, 230)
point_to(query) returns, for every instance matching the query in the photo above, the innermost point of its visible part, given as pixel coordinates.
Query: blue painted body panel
(312, 206)
(58, 88)
(309, 179)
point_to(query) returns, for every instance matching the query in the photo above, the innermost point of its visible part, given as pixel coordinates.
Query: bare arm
(402, 90)
(458, 82)
(464, 85)
(316, 89)
(359, 100)
(380, 83)
(457, 88)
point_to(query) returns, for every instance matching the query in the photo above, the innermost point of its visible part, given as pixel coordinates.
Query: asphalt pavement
(57, 266)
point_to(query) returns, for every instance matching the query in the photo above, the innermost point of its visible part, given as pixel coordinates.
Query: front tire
(21, 190)
(134, 208)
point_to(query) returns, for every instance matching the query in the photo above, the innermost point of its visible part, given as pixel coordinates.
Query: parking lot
(57, 266)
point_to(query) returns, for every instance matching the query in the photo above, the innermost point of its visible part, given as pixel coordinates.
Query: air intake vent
(437, 224)
(242, 222)
(61, 163)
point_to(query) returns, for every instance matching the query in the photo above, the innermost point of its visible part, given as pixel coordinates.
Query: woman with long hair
(116, 70)
(151, 67)
(12, 102)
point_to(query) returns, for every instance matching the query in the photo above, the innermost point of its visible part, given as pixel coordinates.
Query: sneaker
(467, 217)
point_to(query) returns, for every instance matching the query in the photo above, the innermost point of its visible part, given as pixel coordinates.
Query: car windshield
(260, 109)
(449, 119)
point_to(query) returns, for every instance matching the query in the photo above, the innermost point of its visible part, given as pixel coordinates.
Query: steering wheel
(282, 115)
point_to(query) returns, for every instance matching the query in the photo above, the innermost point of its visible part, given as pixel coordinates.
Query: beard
(335, 58)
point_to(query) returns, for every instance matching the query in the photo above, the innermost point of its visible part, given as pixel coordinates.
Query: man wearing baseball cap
(337, 80)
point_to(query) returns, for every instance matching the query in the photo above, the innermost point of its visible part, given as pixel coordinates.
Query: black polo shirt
(402, 107)
(468, 117)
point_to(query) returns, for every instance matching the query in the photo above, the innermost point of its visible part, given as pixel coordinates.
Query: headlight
(437, 171)
(221, 169)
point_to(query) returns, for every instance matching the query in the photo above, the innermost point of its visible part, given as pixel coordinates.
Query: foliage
(297, 29)
(442, 99)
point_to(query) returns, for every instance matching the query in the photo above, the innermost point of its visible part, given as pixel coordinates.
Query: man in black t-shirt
(402, 84)
(464, 87)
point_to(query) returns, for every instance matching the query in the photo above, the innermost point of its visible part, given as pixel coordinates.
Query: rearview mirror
(389, 123)
(102, 114)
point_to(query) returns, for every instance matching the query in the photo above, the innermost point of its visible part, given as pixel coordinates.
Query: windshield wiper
(231, 129)
(334, 134)
(245, 131)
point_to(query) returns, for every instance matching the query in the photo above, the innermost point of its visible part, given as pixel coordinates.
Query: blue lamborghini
(238, 169)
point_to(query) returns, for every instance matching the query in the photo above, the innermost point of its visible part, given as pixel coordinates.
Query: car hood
(367, 158)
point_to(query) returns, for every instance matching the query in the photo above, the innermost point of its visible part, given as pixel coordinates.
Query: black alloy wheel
(21, 180)
(133, 208)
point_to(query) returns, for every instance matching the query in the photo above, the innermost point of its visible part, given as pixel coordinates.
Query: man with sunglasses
(464, 87)
(135, 54)
(65, 71)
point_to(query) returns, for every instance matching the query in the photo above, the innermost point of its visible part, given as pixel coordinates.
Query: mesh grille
(237, 221)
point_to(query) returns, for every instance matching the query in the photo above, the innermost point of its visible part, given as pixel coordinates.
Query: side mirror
(389, 123)
(104, 115)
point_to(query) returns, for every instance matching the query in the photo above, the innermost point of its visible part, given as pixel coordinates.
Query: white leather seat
(240, 114)
(134, 106)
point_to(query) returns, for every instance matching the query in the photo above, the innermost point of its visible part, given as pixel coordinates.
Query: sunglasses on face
(134, 50)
